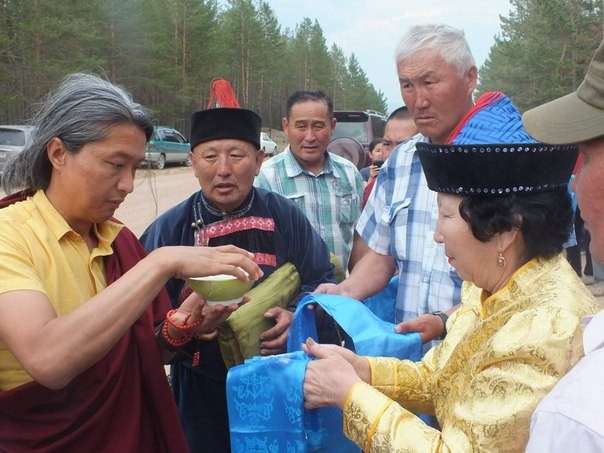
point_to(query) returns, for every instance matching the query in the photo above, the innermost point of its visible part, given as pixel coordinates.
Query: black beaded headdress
(492, 154)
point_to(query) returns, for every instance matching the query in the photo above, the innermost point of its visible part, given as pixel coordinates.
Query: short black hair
(375, 142)
(401, 113)
(543, 218)
(305, 96)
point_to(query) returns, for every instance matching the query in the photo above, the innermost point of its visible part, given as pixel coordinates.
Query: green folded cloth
(239, 335)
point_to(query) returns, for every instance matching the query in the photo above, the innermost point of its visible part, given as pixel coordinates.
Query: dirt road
(155, 191)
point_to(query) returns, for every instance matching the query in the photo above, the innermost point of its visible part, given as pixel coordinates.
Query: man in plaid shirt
(326, 187)
(437, 76)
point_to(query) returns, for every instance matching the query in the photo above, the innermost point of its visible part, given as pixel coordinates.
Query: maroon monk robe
(121, 404)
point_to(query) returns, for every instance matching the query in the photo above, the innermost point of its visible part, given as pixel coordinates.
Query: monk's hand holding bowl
(185, 262)
(214, 315)
(206, 318)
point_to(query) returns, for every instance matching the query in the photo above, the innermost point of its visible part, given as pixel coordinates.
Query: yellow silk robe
(501, 356)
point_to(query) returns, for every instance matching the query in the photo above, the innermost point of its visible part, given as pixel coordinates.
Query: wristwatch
(443, 316)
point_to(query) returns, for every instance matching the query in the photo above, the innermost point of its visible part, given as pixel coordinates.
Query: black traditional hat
(225, 123)
(492, 154)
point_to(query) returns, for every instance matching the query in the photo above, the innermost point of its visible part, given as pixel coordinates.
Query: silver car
(13, 140)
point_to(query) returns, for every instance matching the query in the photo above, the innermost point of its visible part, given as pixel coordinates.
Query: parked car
(360, 126)
(13, 140)
(266, 144)
(167, 145)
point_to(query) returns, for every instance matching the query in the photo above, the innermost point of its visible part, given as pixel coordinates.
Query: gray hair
(82, 110)
(449, 42)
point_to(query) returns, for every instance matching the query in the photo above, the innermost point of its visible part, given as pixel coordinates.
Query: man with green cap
(570, 417)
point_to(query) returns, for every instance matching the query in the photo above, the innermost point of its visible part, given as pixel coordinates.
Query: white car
(13, 140)
(266, 144)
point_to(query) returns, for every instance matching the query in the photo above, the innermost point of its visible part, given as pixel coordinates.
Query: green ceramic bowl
(220, 289)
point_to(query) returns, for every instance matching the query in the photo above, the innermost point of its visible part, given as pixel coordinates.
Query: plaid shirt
(331, 200)
(399, 220)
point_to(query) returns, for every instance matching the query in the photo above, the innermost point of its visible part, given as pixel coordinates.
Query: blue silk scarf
(265, 395)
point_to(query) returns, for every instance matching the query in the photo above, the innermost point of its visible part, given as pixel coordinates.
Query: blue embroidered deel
(265, 395)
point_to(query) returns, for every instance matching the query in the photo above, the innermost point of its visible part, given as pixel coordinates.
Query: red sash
(121, 404)
(367, 191)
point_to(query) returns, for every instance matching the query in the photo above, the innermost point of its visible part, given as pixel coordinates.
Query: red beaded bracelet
(182, 327)
(174, 342)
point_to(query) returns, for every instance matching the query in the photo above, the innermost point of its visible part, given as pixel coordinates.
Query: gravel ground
(155, 191)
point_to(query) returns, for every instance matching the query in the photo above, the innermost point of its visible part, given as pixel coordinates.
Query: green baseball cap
(576, 117)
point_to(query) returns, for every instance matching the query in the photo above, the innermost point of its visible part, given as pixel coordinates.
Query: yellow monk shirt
(39, 251)
(503, 353)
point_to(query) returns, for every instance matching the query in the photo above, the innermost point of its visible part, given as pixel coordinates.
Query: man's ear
(56, 152)
(197, 161)
(284, 124)
(260, 156)
(472, 77)
(193, 160)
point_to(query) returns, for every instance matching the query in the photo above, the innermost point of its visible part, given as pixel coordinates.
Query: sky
(371, 29)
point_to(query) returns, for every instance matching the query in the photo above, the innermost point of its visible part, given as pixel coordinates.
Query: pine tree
(167, 52)
(544, 49)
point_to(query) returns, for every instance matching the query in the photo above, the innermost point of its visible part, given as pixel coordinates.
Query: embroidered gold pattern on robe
(502, 354)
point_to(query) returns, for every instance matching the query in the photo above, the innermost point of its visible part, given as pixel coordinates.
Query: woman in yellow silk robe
(518, 330)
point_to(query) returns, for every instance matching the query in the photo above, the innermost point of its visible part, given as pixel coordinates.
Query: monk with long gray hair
(84, 320)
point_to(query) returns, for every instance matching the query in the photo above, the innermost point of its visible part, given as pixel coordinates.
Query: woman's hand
(184, 262)
(359, 363)
(328, 379)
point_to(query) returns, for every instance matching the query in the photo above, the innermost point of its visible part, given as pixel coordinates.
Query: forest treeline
(543, 50)
(167, 52)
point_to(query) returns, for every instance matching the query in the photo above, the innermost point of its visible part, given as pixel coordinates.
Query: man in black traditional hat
(229, 210)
